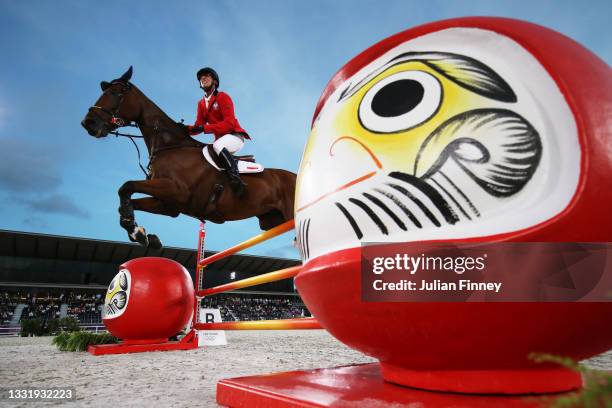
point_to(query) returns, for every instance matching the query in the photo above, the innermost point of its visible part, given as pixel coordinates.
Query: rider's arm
(228, 124)
(197, 127)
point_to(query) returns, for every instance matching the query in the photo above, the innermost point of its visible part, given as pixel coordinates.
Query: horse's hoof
(139, 235)
(154, 242)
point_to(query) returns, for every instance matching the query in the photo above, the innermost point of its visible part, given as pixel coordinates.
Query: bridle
(119, 122)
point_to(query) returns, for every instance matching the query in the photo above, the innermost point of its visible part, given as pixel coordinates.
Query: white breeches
(232, 143)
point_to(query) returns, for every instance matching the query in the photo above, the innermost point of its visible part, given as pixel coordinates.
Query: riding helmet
(210, 71)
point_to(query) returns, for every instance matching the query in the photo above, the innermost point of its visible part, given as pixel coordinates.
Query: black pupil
(397, 98)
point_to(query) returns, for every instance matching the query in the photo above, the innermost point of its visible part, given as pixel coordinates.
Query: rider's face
(206, 81)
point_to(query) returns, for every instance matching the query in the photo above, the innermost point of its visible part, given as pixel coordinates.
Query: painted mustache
(405, 192)
(303, 238)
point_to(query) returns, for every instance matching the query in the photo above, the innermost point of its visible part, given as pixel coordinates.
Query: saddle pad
(249, 167)
(243, 166)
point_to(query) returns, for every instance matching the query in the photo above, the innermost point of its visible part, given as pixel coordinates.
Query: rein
(147, 171)
(119, 122)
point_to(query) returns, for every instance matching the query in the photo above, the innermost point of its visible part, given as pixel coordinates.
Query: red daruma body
(465, 130)
(149, 300)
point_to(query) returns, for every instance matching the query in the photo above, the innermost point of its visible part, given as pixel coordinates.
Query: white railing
(10, 330)
(14, 330)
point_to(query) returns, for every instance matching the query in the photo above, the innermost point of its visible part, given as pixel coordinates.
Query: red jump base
(186, 343)
(354, 386)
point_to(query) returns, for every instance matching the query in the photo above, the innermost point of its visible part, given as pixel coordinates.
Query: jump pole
(279, 324)
(305, 323)
(264, 236)
(255, 280)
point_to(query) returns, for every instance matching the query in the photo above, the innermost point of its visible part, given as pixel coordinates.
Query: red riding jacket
(219, 118)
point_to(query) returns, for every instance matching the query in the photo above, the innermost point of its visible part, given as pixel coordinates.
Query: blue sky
(274, 58)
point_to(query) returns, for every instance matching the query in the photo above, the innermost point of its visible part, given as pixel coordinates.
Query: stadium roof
(33, 245)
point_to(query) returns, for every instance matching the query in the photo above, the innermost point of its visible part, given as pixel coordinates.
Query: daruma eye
(123, 280)
(400, 102)
(111, 286)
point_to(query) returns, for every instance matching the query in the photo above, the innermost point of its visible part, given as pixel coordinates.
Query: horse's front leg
(154, 206)
(166, 198)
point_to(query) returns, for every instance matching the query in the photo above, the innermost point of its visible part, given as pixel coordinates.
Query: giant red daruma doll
(472, 129)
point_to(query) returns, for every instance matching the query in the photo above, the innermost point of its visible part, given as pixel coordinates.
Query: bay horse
(181, 180)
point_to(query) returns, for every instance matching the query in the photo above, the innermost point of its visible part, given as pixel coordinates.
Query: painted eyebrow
(464, 71)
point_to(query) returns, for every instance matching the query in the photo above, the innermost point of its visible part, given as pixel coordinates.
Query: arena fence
(6, 331)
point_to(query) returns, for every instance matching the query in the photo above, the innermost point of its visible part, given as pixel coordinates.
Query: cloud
(27, 166)
(55, 204)
(36, 222)
(30, 177)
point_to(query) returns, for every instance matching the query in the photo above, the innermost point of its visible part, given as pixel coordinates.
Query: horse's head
(116, 107)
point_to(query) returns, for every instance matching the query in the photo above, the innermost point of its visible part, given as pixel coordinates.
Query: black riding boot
(232, 171)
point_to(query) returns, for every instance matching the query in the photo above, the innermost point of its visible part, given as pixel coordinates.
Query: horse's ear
(104, 85)
(127, 76)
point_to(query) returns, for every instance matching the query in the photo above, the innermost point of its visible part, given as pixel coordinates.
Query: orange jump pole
(281, 324)
(255, 280)
(280, 229)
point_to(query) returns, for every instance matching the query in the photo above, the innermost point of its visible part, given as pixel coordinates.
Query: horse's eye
(400, 101)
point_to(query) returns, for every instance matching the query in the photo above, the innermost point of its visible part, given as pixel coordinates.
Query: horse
(180, 179)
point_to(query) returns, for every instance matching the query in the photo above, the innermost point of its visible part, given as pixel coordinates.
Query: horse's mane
(170, 124)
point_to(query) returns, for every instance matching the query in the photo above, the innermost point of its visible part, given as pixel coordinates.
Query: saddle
(246, 164)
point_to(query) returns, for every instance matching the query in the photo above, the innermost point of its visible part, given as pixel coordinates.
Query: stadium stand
(49, 276)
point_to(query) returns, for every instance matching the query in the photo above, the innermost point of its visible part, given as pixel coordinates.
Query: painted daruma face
(456, 134)
(117, 295)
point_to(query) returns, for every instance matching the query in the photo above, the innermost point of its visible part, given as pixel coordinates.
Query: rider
(216, 115)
